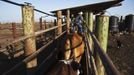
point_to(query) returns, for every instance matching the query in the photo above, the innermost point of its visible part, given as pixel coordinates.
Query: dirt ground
(123, 57)
(5, 38)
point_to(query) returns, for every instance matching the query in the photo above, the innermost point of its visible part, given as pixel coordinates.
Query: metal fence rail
(91, 62)
(107, 62)
(34, 53)
(32, 56)
(18, 4)
(26, 37)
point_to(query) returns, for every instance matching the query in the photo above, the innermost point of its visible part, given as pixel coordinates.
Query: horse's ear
(75, 33)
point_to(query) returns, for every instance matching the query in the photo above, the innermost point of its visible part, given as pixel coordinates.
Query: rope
(74, 46)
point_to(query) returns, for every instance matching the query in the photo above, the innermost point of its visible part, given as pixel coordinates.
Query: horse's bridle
(74, 46)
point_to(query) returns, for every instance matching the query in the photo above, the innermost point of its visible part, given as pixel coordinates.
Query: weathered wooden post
(42, 37)
(90, 26)
(51, 23)
(59, 21)
(14, 30)
(44, 24)
(86, 17)
(102, 25)
(28, 25)
(44, 29)
(55, 22)
(41, 25)
(68, 21)
(89, 22)
(85, 68)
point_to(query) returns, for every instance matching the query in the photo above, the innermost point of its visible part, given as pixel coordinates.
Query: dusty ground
(5, 38)
(123, 57)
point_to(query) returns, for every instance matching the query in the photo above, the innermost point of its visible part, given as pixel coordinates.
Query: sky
(12, 13)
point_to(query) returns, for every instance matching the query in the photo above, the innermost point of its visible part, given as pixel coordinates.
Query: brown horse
(74, 47)
(73, 50)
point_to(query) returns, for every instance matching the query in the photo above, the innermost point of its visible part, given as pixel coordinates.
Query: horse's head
(62, 68)
(72, 51)
(74, 47)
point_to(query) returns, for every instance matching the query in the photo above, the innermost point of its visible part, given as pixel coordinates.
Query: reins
(74, 46)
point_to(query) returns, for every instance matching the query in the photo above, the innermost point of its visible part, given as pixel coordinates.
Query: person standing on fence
(79, 21)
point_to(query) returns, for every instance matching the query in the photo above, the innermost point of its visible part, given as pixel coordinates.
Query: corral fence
(29, 39)
(92, 63)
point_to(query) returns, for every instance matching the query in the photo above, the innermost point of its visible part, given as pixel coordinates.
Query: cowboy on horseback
(79, 21)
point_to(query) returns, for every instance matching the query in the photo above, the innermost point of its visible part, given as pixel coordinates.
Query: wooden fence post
(59, 21)
(86, 17)
(90, 26)
(85, 68)
(45, 24)
(41, 25)
(30, 45)
(68, 21)
(55, 22)
(14, 30)
(102, 25)
(44, 34)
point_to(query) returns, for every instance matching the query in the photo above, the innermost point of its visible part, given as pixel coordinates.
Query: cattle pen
(40, 56)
